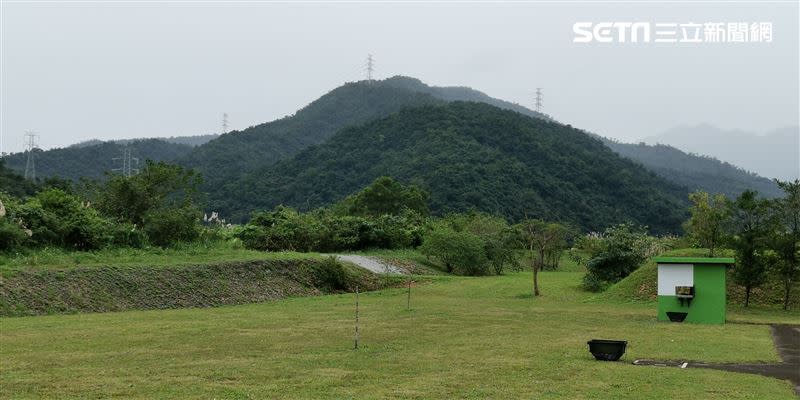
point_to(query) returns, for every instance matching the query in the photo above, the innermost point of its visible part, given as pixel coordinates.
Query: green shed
(692, 289)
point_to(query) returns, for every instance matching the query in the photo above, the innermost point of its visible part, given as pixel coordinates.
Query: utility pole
(127, 169)
(31, 143)
(224, 122)
(370, 67)
(538, 99)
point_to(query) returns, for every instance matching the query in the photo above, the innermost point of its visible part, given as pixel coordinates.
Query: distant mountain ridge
(775, 154)
(94, 160)
(193, 141)
(695, 171)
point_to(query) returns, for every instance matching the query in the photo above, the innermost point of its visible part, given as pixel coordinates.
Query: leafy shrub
(11, 235)
(330, 275)
(385, 196)
(280, 229)
(128, 235)
(615, 254)
(171, 225)
(460, 252)
(453, 239)
(60, 219)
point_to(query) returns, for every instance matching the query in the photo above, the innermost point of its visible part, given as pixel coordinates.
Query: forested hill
(228, 160)
(14, 184)
(224, 160)
(94, 160)
(695, 171)
(473, 156)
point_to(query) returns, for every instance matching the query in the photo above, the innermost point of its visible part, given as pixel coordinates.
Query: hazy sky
(80, 70)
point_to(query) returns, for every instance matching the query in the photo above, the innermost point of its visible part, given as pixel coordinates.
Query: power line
(538, 99)
(127, 168)
(31, 143)
(370, 67)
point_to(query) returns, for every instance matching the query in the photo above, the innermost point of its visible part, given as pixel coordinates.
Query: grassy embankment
(56, 282)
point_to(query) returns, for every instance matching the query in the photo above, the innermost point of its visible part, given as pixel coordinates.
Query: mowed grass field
(463, 338)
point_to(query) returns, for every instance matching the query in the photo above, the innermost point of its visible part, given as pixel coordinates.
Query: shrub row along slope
(475, 156)
(102, 289)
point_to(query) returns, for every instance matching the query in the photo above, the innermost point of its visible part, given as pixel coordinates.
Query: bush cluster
(473, 244)
(287, 229)
(154, 207)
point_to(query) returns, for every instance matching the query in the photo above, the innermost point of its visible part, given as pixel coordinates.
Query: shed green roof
(694, 260)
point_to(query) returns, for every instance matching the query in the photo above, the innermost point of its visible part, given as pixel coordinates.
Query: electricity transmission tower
(224, 122)
(31, 143)
(127, 168)
(370, 67)
(538, 99)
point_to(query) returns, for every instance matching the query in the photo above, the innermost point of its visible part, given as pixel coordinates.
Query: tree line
(763, 233)
(162, 206)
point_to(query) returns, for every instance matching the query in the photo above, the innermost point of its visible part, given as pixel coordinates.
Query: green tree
(11, 234)
(162, 199)
(501, 242)
(787, 236)
(708, 215)
(617, 253)
(460, 252)
(60, 219)
(749, 227)
(387, 196)
(541, 237)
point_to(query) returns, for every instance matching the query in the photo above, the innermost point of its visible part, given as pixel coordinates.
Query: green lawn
(464, 338)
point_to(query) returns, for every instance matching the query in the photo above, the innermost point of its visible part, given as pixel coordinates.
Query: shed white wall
(671, 275)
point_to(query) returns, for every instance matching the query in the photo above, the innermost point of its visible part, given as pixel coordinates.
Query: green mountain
(14, 184)
(94, 160)
(229, 161)
(472, 156)
(225, 160)
(694, 171)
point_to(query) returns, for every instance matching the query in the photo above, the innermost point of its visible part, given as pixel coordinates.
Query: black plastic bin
(607, 350)
(676, 316)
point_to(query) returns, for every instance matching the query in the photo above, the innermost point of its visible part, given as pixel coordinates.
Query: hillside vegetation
(473, 156)
(13, 183)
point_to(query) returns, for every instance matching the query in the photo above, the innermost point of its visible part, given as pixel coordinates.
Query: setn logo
(607, 32)
(672, 32)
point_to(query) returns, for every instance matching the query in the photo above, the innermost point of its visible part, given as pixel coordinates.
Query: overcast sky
(77, 71)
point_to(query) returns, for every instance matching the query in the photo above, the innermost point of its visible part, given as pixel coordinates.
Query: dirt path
(787, 342)
(372, 264)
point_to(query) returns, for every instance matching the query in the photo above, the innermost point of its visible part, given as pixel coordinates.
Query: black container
(607, 350)
(676, 316)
